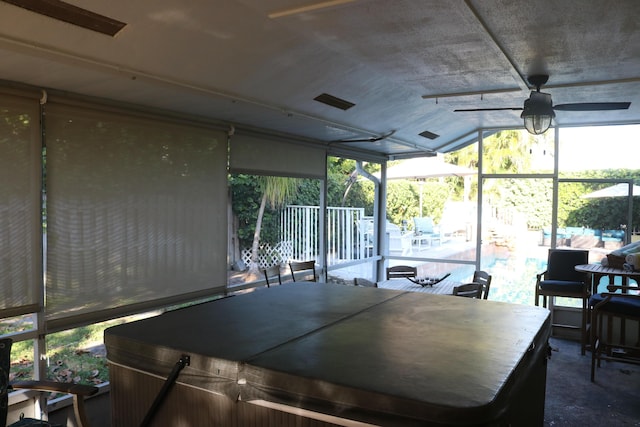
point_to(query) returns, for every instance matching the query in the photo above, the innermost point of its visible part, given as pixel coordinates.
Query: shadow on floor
(573, 400)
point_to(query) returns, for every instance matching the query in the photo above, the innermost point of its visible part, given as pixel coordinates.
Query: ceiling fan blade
(487, 109)
(593, 106)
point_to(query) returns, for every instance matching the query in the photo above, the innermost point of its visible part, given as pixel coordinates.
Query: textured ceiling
(405, 64)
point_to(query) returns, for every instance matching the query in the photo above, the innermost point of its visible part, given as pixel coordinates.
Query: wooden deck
(444, 287)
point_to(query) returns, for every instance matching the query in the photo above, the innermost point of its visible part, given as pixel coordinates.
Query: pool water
(514, 280)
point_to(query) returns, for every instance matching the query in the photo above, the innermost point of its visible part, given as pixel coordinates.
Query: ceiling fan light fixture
(537, 125)
(538, 113)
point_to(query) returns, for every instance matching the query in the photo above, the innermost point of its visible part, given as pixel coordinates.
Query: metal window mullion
(479, 201)
(554, 192)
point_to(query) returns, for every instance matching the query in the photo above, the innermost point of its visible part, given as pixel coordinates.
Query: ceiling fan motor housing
(539, 103)
(538, 80)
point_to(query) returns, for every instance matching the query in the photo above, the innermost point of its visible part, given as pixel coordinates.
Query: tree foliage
(246, 196)
(531, 198)
(247, 191)
(510, 152)
(608, 213)
(403, 199)
(276, 192)
(505, 152)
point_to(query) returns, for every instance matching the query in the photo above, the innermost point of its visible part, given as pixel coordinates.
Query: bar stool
(609, 340)
(562, 280)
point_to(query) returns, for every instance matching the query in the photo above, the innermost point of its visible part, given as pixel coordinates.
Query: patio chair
(79, 391)
(359, 281)
(611, 319)
(469, 290)
(483, 278)
(271, 273)
(308, 266)
(562, 280)
(401, 271)
(424, 228)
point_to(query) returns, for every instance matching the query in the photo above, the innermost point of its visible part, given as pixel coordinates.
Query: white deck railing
(347, 231)
(349, 235)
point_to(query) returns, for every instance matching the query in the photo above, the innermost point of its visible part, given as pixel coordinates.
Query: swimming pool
(514, 279)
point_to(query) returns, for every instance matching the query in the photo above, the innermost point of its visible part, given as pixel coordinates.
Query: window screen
(136, 213)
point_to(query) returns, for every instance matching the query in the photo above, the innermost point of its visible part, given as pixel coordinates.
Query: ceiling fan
(538, 110)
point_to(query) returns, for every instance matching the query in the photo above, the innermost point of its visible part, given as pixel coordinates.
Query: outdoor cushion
(561, 266)
(562, 286)
(618, 305)
(423, 225)
(613, 235)
(573, 231)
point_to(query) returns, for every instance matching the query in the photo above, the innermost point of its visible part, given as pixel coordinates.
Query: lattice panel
(267, 256)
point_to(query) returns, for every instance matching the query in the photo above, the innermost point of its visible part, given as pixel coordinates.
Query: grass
(76, 355)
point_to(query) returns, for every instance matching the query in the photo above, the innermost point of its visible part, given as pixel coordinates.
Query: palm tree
(276, 191)
(507, 151)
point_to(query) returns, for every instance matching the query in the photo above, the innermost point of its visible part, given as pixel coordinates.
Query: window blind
(268, 156)
(136, 213)
(20, 225)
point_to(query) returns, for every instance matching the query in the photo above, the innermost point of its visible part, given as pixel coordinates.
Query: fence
(281, 253)
(349, 236)
(346, 232)
(349, 233)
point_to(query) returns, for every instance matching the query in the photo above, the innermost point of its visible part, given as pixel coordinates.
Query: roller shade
(20, 223)
(267, 156)
(136, 213)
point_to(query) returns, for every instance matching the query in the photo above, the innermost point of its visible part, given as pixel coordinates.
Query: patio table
(339, 355)
(598, 271)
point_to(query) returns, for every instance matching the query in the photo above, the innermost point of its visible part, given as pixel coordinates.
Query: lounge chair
(425, 230)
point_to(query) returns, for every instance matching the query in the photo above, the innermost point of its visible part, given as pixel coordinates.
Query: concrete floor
(573, 400)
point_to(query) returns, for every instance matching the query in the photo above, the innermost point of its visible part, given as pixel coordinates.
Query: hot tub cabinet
(322, 355)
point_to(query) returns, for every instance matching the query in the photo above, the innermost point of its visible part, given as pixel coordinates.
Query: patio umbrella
(421, 168)
(618, 190)
(426, 167)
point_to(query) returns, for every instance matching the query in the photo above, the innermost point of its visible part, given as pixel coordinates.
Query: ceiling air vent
(429, 135)
(333, 101)
(71, 14)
